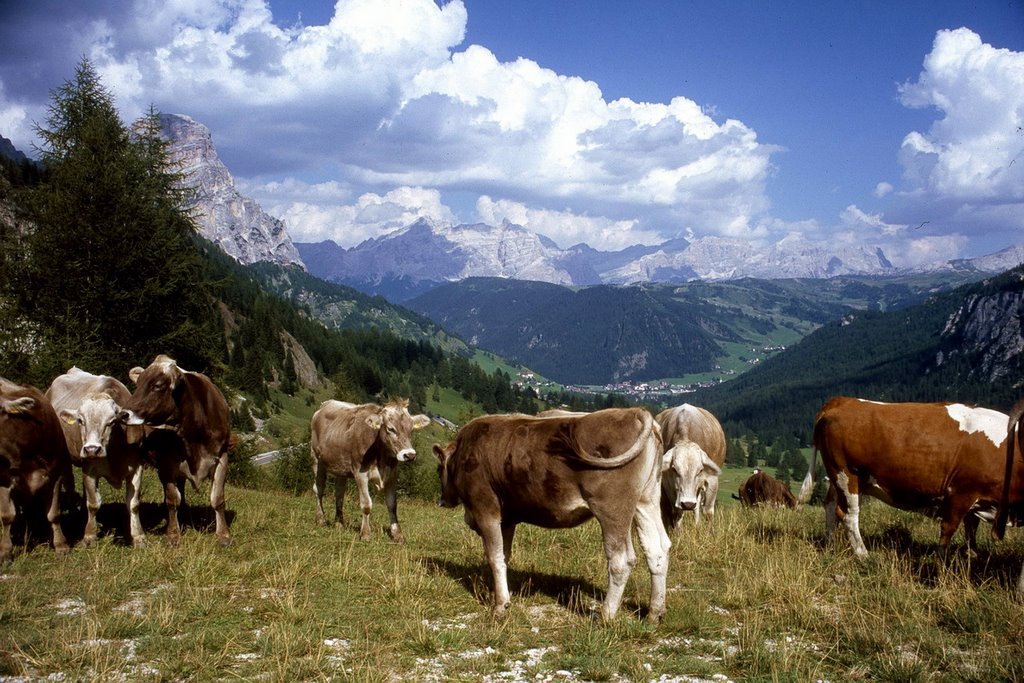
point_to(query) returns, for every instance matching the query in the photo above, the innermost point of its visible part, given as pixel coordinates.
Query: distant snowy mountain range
(416, 258)
(420, 256)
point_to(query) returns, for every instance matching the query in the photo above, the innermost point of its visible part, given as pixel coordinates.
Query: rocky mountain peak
(237, 224)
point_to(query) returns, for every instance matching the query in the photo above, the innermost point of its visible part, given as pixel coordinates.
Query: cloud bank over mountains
(354, 128)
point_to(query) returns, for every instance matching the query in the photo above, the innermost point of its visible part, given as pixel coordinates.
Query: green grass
(755, 597)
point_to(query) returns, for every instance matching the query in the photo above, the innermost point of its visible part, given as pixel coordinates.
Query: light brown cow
(187, 405)
(365, 442)
(33, 459)
(89, 407)
(763, 490)
(941, 459)
(1015, 436)
(694, 456)
(558, 472)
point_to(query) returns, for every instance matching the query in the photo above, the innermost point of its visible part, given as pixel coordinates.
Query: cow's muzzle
(406, 455)
(686, 504)
(129, 417)
(93, 450)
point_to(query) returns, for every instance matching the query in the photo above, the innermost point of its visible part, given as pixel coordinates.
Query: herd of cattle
(558, 469)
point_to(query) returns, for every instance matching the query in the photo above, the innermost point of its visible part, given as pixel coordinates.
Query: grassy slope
(757, 598)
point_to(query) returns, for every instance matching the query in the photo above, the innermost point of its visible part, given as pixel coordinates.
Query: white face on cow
(95, 418)
(688, 467)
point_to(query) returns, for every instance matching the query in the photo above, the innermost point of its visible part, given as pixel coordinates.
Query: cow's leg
(391, 499)
(494, 550)
(93, 501)
(508, 532)
(830, 514)
(365, 503)
(60, 544)
(848, 509)
(655, 543)
(168, 472)
(971, 534)
(132, 487)
(7, 514)
(217, 502)
(319, 482)
(710, 496)
(340, 484)
(616, 550)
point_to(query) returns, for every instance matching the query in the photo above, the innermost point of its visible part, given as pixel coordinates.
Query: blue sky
(608, 123)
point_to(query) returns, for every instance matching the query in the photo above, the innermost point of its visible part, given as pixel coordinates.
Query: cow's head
(449, 496)
(97, 416)
(688, 467)
(155, 391)
(394, 425)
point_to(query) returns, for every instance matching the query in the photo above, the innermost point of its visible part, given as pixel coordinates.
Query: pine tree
(112, 276)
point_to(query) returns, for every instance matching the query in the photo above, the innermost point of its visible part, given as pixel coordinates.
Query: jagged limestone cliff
(235, 223)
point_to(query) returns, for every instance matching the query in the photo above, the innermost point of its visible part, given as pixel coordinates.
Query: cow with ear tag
(365, 442)
(187, 405)
(694, 456)
(89, 407)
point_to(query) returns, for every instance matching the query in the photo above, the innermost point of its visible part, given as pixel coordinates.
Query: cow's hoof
(62, 549)
(654, 618)
(89, 541)
(173, 541)
(224, 541)
(140, 542)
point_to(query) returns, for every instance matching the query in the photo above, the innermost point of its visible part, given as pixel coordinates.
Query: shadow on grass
(568, 591)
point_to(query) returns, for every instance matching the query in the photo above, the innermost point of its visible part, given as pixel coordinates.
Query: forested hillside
(101, 268)
(965, 345)
(604, 333)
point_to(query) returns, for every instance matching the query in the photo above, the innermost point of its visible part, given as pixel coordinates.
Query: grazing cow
(694, 456)
(1014, 433)
(365, 442)
(190, 406)
(763, 490)
(33, 459)
(941, 459)
(89, 407)
(557, 472)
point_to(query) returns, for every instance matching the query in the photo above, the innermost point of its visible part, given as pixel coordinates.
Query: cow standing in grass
(89, 407)
(33, 459)
(694, 456)
(763, 490)
(557, 472)
(191, 438)
(365, 442)
(941, 459)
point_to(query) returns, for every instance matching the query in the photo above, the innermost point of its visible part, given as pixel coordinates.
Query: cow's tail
(807, 487)
(636, 449)
(1012, 431)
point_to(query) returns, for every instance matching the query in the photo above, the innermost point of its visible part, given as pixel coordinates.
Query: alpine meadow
(106, 264)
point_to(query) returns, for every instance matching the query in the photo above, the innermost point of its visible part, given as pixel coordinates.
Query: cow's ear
(69, 416)
(175, 373)
(666, 459)
(375, 421)
(18, 405)
(420, 421)
(134, 373)
(709, 465)
(440, 453)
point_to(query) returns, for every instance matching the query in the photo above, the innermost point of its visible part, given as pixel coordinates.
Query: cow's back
(532, 468)
(339, 433)
(916, 451)
(692, 423)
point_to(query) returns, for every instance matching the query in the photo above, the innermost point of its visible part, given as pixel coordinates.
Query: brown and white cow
(694, 456)
(763, 490)
(558, 472)
(1014, 436)
(89, 407)
(941, 459)
(187, 405)
(33, 459)
(365, 442)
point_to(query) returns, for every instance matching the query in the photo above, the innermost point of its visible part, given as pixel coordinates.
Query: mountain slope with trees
(966, 345)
